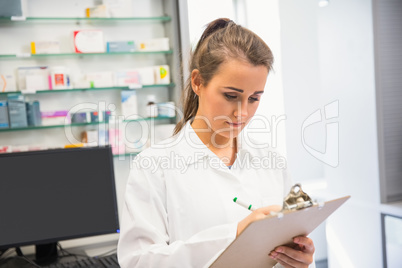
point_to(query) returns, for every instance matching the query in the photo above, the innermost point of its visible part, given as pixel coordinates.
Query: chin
(230, 134)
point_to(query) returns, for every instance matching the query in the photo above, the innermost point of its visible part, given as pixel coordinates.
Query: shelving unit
(152, 20)
(48, 20)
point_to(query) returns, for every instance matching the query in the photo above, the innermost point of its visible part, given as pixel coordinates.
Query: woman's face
(231, 97)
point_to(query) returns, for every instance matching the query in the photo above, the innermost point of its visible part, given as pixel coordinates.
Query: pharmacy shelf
(134, 19)
(34, 56)
(87, 89)
(83, 124)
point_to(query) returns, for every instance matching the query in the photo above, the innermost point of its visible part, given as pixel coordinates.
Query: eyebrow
(241, 90)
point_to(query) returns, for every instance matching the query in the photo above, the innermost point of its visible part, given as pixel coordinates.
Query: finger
(305, 242)
(268, 209)
(297, 255)
(286, 261)
(274, 256)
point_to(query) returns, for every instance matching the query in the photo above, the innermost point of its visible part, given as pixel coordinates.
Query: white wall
(302, 96)
(328, 56)
(347, 75)
(200, 13)
(262, 17)
(300, 63)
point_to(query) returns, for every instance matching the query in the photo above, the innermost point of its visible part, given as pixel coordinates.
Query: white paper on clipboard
(252, 246)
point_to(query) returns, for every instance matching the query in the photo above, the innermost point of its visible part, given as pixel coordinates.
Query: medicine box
(120, 46)
(127, 77)
(7, 83)
(129, 104)
(4, 123)
(89, 41)
(17, 111)
(33, 113)
(157, 44)
(147, 75)
(50, 118)
(100, 11)
(94, 116)
(45, 47)
(162, 74)
(60, 78)
(84, 117)
(90, 136)
(166, 109)
(116, 141)
(33, 78)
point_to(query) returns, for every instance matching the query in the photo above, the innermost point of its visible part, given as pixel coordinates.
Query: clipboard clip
(297, 199)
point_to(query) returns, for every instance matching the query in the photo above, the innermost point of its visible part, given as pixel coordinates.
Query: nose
(241, 110)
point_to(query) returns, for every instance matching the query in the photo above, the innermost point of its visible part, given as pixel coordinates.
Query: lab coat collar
(193, 149)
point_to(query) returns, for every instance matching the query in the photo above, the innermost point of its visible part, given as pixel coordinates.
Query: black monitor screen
(53, 195)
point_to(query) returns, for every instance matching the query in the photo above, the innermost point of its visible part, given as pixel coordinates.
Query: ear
(196, 81)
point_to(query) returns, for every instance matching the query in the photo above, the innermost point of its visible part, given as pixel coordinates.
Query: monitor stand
(46, 253)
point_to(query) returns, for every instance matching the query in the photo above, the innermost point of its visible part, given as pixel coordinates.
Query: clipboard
(252, 246)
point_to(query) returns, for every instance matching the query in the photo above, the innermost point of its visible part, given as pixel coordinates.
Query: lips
(233, 124)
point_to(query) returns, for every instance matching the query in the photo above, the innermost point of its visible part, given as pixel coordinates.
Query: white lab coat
(179, 209)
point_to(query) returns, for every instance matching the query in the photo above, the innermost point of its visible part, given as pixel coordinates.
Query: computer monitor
(52, 195)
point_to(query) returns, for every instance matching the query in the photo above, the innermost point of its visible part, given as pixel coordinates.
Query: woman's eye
(230, 97)
(253, 99)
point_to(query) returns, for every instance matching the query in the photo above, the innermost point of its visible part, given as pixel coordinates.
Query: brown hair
(222, 40)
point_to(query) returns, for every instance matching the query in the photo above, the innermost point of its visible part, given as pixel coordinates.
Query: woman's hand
(257, 214)
(299, 256)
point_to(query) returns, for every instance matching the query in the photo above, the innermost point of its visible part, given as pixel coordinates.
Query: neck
(209, 138)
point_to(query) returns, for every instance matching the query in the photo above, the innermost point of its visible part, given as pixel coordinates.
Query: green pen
(243, 204)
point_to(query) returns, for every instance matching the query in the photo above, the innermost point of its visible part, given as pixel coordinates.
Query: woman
(179, 210)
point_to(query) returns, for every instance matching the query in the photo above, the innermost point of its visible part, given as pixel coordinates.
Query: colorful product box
(116, 141)
(166, 109)
(147, 75)
(103, 135)
(33, 78)
(129, 104)
(84, 117)
(157, 44)
(60, 78)
(120, 46)
(94, 116)
(89, 41)
(50, 118)
(105, 116)
(17, 111)
(4, 123)
(90, 136)
(7, 83)
(45, 47)
(162, 74)
(33, 113)
(127, 77)
(100, 11)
